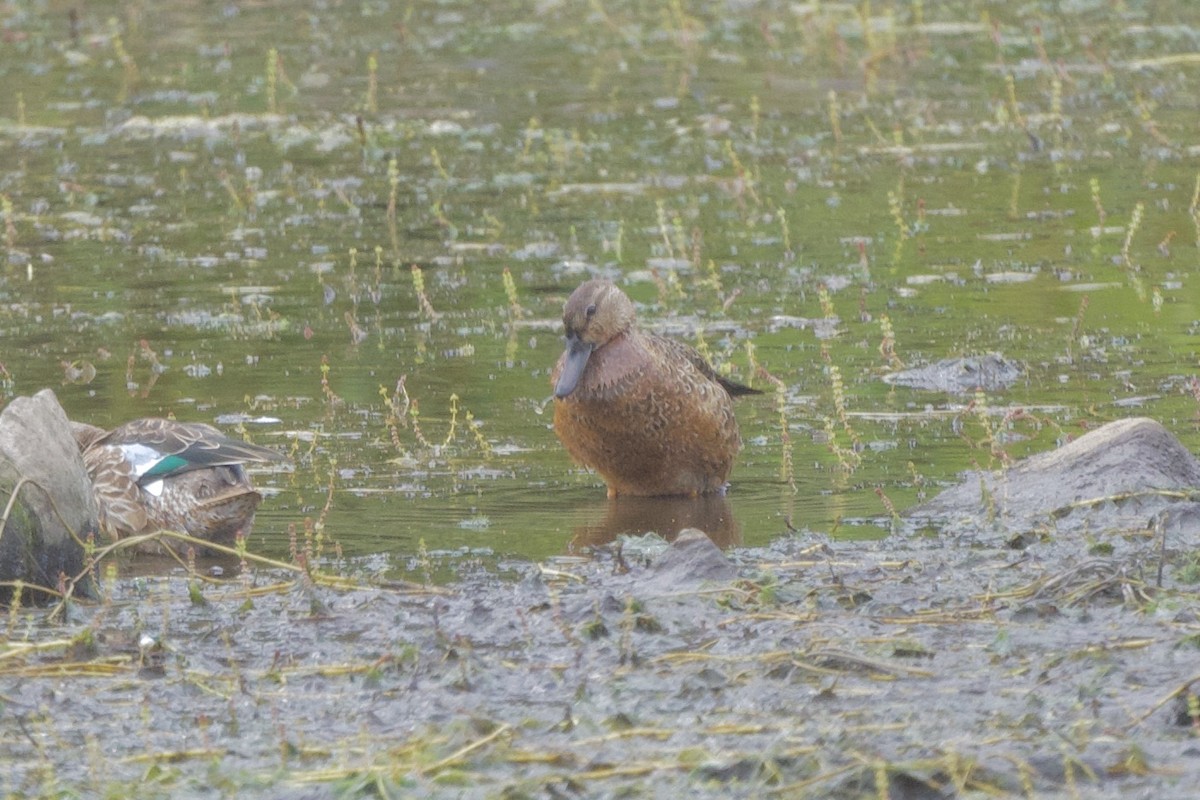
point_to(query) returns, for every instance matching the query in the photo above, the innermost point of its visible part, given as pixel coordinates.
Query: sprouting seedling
(896, 209)
(532, 133)
(14, 606)
(10, 222)
(1014, 196)
(827, 310)
(418, 279)
(664, 229)
(752, 357)
(397, 403)
(1194, 208)
(323, 516)
(1077, 326)
(130, 78)
(377, 288)
(887, 504)
(835, 118)
(787, 469)
(272, 79)
(414, 420)
(393, 176)
(787, 236)
(745, 176)
(981, 410)
(1135, 222)
(1010, 86)
(424, 562)
(510, 291)
(697, 246)
(1094, 184)
(887, 345)
(1056, 113)
(712, 280)
(837, 390)
(437, 164)
(326, 389)
(235, 197)
(453, 427)
(701, 345)
(372, 84)
(918, 481)
(680, 236)
(476, 431)
(358, 334)
(1164, 244)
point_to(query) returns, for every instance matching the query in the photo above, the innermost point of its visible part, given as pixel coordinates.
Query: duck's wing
(160, 448)
(674, 351)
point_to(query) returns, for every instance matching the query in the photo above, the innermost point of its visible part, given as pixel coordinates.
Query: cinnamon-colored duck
(646, 412)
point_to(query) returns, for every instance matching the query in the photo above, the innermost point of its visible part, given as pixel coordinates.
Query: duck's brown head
(595, 314)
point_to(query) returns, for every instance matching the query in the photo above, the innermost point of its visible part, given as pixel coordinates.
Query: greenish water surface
(220, 211)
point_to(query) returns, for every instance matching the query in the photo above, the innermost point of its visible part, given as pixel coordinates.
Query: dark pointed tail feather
(736, 389)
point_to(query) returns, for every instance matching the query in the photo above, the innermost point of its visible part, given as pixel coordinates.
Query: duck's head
(595, 314)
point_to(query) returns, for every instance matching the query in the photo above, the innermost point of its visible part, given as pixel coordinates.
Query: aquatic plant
(1076, 328)
(130, 76)
(10, 226)
(787, 469)
(887, 343)
(418, 281)
(1194, 208)
(515, 311)
(332, 400)
(372, 100)
(835, 117)
(271, 78)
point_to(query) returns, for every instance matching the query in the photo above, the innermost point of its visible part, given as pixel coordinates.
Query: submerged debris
(991, 373)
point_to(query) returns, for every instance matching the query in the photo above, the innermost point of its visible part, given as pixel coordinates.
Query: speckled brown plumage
(647, 413)
(157, 474)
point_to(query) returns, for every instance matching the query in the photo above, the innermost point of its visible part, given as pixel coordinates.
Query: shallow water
(218, 210)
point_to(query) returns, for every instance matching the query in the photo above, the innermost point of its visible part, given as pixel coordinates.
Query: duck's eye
(591, 311)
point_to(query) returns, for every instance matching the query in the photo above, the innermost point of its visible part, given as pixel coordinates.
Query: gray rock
(691, 559)
(1129, 474)
(53, 511)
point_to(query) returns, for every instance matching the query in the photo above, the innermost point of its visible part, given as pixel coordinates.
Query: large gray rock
(53, 510)
(1128, 475)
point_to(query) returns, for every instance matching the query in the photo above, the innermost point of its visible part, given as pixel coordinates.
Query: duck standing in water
(647, 413)
(158, 474)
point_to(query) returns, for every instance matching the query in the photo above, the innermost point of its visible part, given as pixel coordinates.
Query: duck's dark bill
(577, 356)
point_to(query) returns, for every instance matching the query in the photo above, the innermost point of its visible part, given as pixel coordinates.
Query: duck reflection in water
(666, 516)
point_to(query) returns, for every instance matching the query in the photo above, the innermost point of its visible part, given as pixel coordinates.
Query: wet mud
(939, 667)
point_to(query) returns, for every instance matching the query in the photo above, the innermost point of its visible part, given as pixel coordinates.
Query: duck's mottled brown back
(158, 474)
(646, 412)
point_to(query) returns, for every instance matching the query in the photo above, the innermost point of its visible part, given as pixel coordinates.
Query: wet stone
(54, 509)
(1129, 475)
(991, 372)
(691, 559)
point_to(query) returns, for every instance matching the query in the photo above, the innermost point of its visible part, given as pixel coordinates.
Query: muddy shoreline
(807, 669)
